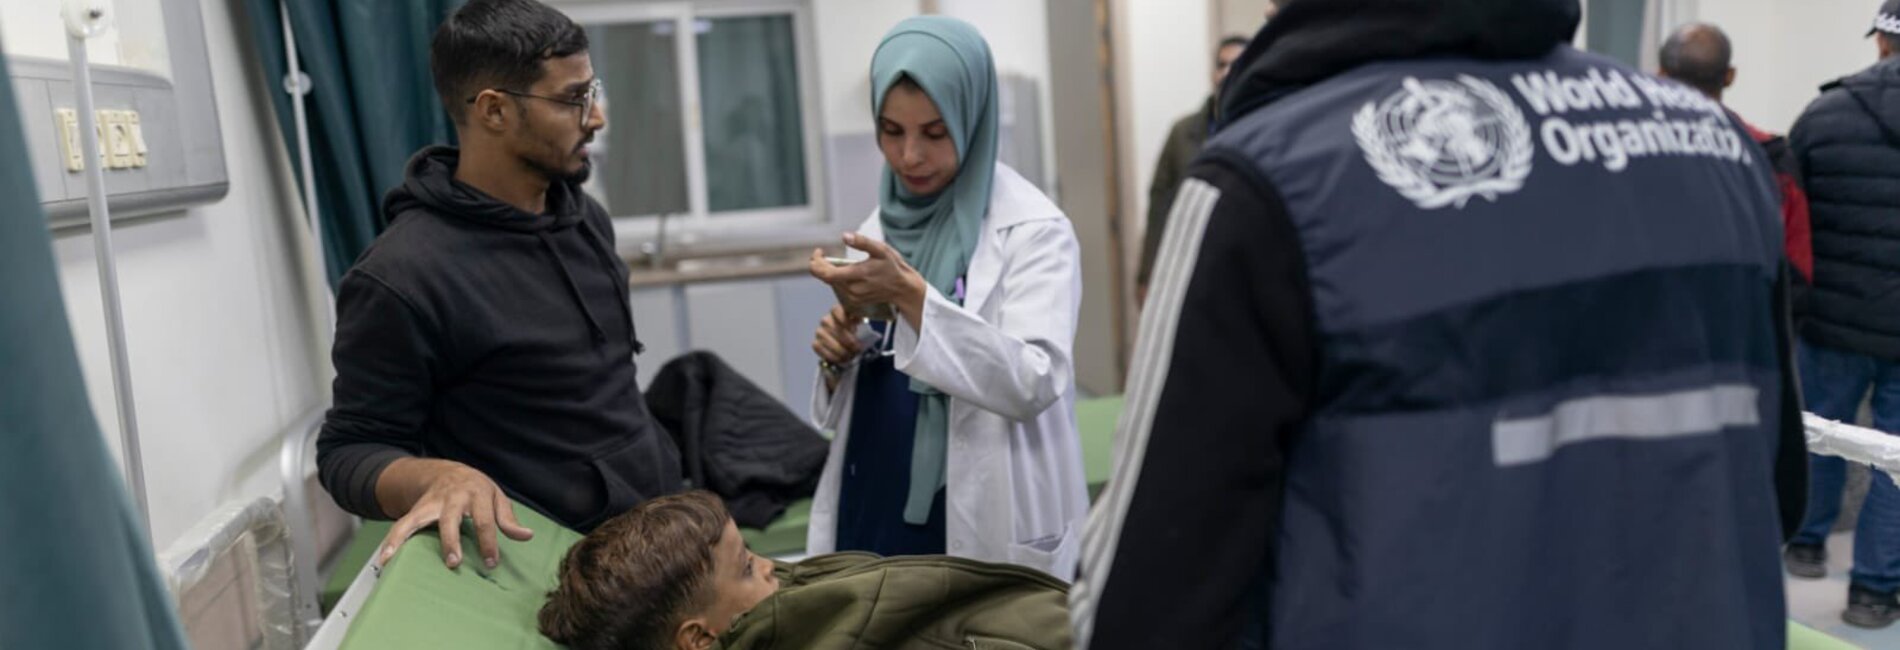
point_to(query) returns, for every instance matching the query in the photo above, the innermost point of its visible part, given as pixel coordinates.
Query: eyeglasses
(586, 103)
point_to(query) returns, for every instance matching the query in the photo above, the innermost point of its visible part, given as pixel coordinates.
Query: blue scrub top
(876, 476)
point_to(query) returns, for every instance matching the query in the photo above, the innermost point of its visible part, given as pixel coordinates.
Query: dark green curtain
(754, 122)
(644, 170)
(372, 105)
(78, 569)
(1616, 29)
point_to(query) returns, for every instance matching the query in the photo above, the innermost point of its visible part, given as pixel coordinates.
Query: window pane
(133, 38)
(640, 160)
(1616, 29)
(754, 125)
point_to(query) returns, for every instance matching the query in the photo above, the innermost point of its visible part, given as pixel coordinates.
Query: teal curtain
(1615, 29)
(373, 103)
(643, 151)
(754, 122)
(78, 569)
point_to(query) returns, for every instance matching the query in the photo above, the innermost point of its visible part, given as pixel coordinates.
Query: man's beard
(555, 174)
(579, 176)
(556, 171)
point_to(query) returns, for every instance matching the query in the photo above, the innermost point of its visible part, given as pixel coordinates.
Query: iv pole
(304, 596)
(84, 20)
(298, 86)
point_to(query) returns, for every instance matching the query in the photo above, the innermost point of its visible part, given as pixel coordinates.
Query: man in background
(1699, 55)
(1184, 143)
(1848, 143)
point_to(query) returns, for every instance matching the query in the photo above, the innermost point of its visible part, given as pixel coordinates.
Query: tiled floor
(1818, 603)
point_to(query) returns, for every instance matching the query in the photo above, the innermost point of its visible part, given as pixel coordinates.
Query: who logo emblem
(1440, 143)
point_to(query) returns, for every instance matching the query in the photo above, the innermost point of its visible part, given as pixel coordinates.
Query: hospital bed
(785, 537)
(416, 602)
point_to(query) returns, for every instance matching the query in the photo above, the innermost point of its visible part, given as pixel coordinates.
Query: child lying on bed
(674, 574)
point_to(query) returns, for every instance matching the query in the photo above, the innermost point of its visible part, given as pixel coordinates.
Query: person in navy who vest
(1459, 338)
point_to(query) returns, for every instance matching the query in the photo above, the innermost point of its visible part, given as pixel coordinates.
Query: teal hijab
(937, 234)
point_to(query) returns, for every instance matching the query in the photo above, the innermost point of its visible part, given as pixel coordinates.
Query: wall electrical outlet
(104, 120)
(105, 152)
(68, 121)
(121, 140)
(118, 142)
(138, 138)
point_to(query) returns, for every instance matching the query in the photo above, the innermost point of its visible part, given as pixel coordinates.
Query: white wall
(1018, 33)
(1088, 188)
(848, 32)
(1164, 60)
(224, 346)
(1239, 17)
(1785, 49)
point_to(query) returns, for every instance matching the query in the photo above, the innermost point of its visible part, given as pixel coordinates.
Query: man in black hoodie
(1459, 338)
(484, 346)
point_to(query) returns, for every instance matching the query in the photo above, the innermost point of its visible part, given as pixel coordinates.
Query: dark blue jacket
(1459, 338)
(1848, 144)
(1548, 378)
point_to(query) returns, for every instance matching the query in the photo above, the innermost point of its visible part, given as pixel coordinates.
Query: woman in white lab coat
(953, 405)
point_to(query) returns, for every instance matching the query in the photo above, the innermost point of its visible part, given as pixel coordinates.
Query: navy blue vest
(1548, 381)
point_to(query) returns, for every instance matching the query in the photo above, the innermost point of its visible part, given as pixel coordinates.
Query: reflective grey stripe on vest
(1651, 417)
(1154, 353)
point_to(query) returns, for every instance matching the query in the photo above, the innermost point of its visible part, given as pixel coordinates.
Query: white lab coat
(1015, 491)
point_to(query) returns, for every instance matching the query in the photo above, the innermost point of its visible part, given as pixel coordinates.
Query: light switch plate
(121, 140)
(118, 142)
(68, 121)
(138, 138)
(105, 151)
(104, 118)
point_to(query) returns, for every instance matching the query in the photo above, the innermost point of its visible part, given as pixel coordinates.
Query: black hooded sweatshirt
(476, 332)
(1210, 491)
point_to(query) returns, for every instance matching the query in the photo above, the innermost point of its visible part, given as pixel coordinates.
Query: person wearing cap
(1460, 339)
(1848, 144)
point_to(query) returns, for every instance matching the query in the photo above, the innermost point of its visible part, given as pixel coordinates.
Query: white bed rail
(1857, 444)
(300, 522)
(329, 636)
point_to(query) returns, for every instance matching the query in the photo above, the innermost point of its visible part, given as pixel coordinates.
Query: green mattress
(1095, 420)
(419, 603)
(784, 537)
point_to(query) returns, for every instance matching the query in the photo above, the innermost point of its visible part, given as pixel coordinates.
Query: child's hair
(629, 583)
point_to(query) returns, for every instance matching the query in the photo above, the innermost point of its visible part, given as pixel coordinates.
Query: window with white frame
(1633, 30)
(712, 117)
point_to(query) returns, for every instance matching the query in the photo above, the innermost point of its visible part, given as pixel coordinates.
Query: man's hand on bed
(446, 493)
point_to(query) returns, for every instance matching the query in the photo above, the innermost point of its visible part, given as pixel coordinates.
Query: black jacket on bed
(475, 332)
(735, 439)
